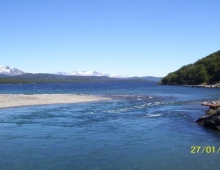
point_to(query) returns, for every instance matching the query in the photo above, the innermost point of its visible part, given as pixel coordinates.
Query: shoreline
(18, 100)
(206, 86)
(211, 119)
(216, 85)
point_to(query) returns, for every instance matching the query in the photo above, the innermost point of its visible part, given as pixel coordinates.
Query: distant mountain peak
(10, 71)
(90, 73)
(6, 70)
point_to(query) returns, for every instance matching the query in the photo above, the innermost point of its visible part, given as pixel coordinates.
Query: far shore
(216, 85)
(206, 86)
(16, 100)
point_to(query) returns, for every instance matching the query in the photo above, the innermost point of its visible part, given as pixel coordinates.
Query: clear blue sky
(126, 37)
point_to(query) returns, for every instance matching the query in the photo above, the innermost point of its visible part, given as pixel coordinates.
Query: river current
(143, 127)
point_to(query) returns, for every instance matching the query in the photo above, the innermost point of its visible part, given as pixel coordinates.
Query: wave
(152, 115)
(132, 97)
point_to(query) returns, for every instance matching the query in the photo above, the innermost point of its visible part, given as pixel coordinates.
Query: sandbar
(15, 100)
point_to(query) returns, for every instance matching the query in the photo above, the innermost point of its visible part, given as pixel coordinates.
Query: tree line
(204, 71)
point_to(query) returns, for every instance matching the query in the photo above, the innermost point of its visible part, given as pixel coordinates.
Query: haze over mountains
(8, 71)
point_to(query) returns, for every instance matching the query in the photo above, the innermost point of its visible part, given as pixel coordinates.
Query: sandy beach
(14, 100)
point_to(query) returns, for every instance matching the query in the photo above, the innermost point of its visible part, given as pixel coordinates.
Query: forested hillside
(204, 71)
(52, 78)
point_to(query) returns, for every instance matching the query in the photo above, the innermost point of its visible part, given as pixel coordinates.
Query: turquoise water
(144, 127)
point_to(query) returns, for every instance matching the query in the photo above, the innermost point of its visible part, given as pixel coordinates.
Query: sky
(125, 37)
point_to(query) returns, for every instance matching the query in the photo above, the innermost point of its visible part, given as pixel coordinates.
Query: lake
(144, 126)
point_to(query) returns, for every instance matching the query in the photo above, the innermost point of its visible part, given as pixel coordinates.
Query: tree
(205, 70)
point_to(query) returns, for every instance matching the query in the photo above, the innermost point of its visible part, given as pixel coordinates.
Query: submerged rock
(212, 118)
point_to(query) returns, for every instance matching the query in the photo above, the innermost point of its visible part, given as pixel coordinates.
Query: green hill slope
(204, 71)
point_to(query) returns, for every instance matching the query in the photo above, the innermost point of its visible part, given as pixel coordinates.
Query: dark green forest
(52, 78)
(204, 71)
(49, 78)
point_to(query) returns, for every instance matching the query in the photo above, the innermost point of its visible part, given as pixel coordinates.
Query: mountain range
(8, 71)
(90, 73)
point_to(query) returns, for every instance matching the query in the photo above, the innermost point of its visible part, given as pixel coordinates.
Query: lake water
(144, 127)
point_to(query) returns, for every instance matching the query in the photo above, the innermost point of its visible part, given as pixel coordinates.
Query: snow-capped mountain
(90, 73)
(6, 70)
(14, 71)
(86, 73)
(10, 71)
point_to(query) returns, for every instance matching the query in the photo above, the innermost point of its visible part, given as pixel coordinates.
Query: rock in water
(212, 118)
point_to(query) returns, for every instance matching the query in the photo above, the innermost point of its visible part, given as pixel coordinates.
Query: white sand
(13, 100)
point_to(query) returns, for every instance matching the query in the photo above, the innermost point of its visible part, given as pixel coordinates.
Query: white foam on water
(150, 115)
(119, 110)
(139, 107)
